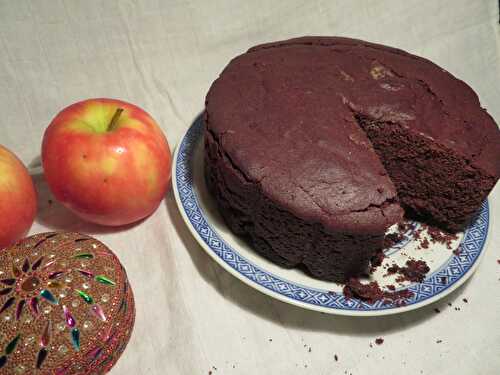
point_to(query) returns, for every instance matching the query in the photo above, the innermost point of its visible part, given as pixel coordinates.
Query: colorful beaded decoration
(65, 306)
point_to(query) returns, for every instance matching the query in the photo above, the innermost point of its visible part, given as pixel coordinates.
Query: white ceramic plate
(198, 209)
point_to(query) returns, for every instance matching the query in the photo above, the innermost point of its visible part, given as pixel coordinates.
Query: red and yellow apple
(18, 201)
(106, 160)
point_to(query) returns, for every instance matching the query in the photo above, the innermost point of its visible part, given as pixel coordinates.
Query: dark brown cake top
(284, 114)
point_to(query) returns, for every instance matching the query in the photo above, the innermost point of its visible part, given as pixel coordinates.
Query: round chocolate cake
(66, 307)
(315, 146)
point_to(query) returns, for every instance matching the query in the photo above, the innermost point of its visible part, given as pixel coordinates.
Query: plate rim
(281, 297)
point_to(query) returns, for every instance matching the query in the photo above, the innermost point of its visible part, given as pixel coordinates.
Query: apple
(18, 200)
(107, 161)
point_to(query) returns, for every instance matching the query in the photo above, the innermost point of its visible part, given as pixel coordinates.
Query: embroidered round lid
(65, 306)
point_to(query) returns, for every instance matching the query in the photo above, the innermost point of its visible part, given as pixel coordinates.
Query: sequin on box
(51, 327)
(63, 349)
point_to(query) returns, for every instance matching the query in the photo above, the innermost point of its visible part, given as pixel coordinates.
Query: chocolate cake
(314, 147)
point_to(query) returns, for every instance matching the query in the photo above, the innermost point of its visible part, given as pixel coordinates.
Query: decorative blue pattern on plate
(442, 279)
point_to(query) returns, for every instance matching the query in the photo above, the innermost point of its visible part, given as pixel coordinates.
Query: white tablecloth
(193, 317)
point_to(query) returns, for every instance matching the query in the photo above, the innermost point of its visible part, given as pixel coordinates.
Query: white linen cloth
(192, 316)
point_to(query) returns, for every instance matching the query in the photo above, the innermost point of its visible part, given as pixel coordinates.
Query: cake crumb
(424, 243)
(372, 293)
(439, 236)
(392, 269)
(379, 341)
(414, 271)
(404, 226)
(392, 239)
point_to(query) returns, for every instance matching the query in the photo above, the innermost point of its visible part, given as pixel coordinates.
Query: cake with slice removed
(314, 147)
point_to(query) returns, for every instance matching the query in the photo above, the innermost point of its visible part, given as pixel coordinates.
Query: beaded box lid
(65, 306)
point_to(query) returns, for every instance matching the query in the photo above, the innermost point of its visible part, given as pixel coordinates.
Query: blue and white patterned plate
(449, 269)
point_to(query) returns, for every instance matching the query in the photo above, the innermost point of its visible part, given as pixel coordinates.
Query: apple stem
(114, 120)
